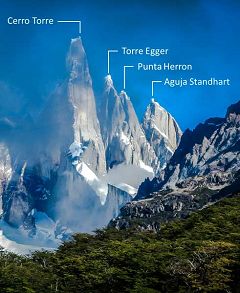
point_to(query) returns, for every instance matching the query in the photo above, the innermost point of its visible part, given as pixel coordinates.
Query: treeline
(198, 254)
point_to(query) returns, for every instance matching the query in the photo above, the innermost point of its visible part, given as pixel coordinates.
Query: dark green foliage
(198, 254)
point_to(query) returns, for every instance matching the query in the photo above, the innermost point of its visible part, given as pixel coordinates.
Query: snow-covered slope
(19, 241)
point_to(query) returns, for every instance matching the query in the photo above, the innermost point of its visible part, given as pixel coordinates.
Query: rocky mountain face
(164, 206)
(204, 168)
(162, 132)
(124, 139)
(5, 166)
(75, 120)
(72, 170)
(211, 148)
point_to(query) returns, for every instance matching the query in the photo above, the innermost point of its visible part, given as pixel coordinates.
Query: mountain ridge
(72, 168)
(204, 168)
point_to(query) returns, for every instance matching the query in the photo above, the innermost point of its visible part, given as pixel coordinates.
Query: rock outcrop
(123, 136)
(162, 132)
(204, 168)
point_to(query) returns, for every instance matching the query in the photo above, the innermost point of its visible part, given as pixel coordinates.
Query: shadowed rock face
(212, 147)
(233, 109)
(204, 168)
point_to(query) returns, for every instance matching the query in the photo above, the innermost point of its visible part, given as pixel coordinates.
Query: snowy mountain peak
(74, 119)
(76, 49)
(74, 40)
(162, 131)
(77, 63)
(83, 159)
(153, 105)
(108, 81)
(124, 95)
(124, 140)
(109, 85)
(155, 109)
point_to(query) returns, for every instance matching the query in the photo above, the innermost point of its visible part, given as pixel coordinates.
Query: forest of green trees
(197, 254)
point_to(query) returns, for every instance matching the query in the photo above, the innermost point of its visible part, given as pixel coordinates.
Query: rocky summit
(162, 132)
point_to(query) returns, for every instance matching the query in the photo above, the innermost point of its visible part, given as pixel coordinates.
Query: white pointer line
(124, 74)
(110, 51)
(154, 81)
(73, 21)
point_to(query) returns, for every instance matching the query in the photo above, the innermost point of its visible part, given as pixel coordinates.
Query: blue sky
(202, 33)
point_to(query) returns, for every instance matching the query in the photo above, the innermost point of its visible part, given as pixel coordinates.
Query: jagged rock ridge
(124, 139)
(204, 168)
